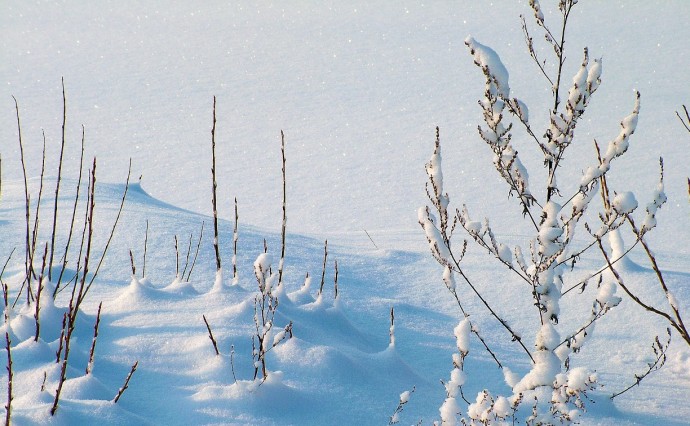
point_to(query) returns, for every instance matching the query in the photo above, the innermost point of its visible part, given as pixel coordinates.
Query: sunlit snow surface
(358, 88)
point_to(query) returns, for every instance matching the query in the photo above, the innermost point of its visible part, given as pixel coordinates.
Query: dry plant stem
(2, 272)
(8, 347)
(532, 52)
(323, 270)
(78, 296)
(660, 359)
(63, 367)
(604, 186)
(685, 121)
(210, 335)
(391, 332)
(196, 253)
(27, 264)
(399, 409)
(10, 377)
(189, 251)
(232, 362)
(560, 53)
(335, 281)
(131, 261)
(600, 313)
(619, 280)
(215, 185)
(34, 236)
(177, 259)
(74, 213)
(89, 366)
(85, 226)
(39, 290)
(602, 269)
(370, 239)
(505, 325)
(677, 321)
(235, 237)
(61, 341)
(89, 240)
(57, 185)
(146, 240)
(126, 385)
(112, 230)
(284, 223)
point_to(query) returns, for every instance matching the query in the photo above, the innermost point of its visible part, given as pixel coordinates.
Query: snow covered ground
(358, 89)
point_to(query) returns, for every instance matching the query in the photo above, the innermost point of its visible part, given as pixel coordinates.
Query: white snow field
(358, 88)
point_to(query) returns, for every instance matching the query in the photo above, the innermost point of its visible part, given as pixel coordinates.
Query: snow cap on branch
(489, 61)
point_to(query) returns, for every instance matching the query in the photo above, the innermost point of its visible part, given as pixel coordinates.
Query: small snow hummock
(218, 282)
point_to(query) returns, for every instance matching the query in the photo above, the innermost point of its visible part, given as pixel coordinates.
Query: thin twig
(27, 264)
(660, 359)
(215, 185)
(370, 239)
(146, 240)
(61, 341)
(210, 335)
(39, 290)
(59, 178)
(89, 366)
(10, 377)
(284, 223)
(235, 237)
(189, 251)
(126, 385)
(196, 253)
(335, 281)
(177, 258)
(232, 362)
(323, 270)
(686, 121)
(74, 213)
(131, 261)
(112, 231)
(8, 347)
(34, 237)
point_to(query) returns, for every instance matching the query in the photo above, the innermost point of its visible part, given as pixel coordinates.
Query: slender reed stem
(235, 237)
(323, 269)
(284, 223)
(196, 253)
(27, 263)
(89, 366)
(112, 231)
(74, 213)
(146, 240)
(39, 290)
(57, 185)
(126, 385)
(189, 251)
(215, 185)
(210, 335)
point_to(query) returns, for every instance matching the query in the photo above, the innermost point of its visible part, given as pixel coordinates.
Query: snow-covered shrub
(551, 391)
(265, 307)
